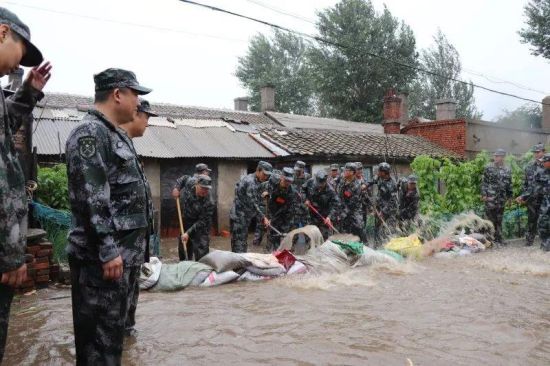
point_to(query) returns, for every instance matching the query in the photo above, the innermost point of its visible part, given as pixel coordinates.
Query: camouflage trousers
(544, 229)
(100, 312)
(6, 296)
(301, 217)
(239, 222)
(384, 226)
(198, 244)
(533, 211)
(495, 214)
(352, 224)
(258, 233)
(133, 296)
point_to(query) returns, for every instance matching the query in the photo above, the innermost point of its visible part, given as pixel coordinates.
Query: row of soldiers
(496, 192)
(281, 200)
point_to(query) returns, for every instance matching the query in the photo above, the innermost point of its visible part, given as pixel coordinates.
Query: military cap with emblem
(537, 148)
(412, 178)
(359, 165)
(145, 107)
(288, 174)
(385, 167)
(201, 167)
(265, 167)
(118, 78)
(32, 56)
(300, 165)
(351, 166)
(334, 167)
(499, 152)
(321, 176)
(204, 181)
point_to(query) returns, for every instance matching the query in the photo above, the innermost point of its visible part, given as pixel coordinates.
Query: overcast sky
(188, 55)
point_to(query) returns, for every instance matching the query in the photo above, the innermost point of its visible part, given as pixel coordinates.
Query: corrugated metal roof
(303, 122)
(162, 142)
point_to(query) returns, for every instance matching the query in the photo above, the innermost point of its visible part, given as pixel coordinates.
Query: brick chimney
(392, 113)
(546, 112)
(241, 103)
(15, 79)
(404, 117)
(267, 98)
(445, 109)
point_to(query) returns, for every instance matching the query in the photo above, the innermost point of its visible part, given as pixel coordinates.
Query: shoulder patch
(87, 146)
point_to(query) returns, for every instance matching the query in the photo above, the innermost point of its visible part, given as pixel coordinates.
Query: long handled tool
(315, 211)
(182, 231)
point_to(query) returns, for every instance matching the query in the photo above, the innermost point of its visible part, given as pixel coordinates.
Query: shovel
(182, 245)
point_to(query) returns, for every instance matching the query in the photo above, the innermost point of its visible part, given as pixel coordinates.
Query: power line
(281, 11)
(496, 80)
(339, 45)
(147, 26)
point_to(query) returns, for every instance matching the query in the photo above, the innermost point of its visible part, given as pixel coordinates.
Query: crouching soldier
(281, 208)
(408, 203)
(322, 201)
(349, 194)
(198, 209)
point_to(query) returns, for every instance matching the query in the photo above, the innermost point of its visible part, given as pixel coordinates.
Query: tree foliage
(443, 59)
(527, 116)
(279, 61)
(537, 30)
(350, 82)
(53, 187)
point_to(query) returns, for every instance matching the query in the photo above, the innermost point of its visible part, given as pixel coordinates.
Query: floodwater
(491, 308)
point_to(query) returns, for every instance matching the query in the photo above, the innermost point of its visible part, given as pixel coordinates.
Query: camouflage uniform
(197, 213)
(351, 215)
(497, 187)
(533, 203)
(282, 211)
(325, 200)
(246, 207)
(302, 212)
(539, 189)
(387, 208)
(408, 203)
(13, 208)
(110, 205)
(264, 187)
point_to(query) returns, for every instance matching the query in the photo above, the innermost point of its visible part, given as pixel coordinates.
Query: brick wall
(450, 134)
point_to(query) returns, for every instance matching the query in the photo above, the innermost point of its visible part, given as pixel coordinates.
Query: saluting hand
(38, 76)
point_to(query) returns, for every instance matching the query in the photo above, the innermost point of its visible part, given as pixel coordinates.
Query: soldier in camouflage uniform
(110, 203)
(386, 208)
(247, 206)
(334, 176)
(533, 203)
(281, 207)
(320, 195)
(349, 194)
(200, 168)
(134, 129)
(264, 196)
(365, 197)
(302, 212)
(408, 203)
(496, 189)
(15, 48)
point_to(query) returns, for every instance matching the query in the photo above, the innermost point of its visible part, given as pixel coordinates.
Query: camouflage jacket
(108, 194)
(13, 205)
(282, 203)
(408, 202)
(247, 196)
(540, 187)
(386, 201)
(333, 182)
(349, 194)
(184, 180)
(496, 184)
(323, 200)
(529, 179)
(198, 210)
(301, 209)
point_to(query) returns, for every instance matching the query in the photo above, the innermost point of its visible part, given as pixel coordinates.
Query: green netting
(352, 246)
(57, 224)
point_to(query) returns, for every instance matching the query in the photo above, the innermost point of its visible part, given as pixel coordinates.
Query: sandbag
(177, 276)
(199, 278)
(260, 260)
(409, 246)
(216, 279)
(271, 272)
(314, 239)
(223, 261)
(247, 276)
(149, 273)
(398, 257)
(297, 268)
(285, 258)
(370, 257)
(473, 245)
(328, 257)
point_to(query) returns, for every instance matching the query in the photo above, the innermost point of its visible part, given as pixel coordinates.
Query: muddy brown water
(492, 308)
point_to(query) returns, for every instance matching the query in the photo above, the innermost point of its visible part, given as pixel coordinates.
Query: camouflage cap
(32, 56)
(275, 176)
(537, 148)
(204, 181)
(145, 107)
(288, 174)
(299, 165)
(321, 176)
(201, 167)
(118, 78)
(265, 167)
(334, 167)
(351, 166)
(545, 157)
(500, 152)
(385, 167)
(359, 165)
(412, 178)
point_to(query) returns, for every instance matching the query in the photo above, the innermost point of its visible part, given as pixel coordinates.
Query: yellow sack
(409, 246)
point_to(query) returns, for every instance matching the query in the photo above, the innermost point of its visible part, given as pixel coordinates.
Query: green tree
(443, 59)
(350, 82)
(527, 116)
(537, 30)
(278, 61)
